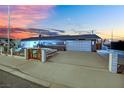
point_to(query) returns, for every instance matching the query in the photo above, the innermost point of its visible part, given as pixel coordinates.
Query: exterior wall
(28, 44)
(61, 45)
(51, 42)
(41, 43)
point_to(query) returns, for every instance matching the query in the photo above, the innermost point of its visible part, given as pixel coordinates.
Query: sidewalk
(58, 74)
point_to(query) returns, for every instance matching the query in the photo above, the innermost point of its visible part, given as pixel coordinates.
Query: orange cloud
(22, 35)
(19, 35)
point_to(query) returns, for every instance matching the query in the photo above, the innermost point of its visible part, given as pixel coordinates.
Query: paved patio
(66, 69)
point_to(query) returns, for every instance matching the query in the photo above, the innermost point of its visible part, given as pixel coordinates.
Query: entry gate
(34, 53)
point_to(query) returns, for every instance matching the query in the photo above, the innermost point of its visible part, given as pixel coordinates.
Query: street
(8, 80)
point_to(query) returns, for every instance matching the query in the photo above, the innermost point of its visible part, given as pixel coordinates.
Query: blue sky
(95, 16)
(103, 19)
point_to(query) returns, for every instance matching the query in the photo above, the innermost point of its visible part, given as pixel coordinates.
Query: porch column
(11, 51)
(43, 55)
(113, 62)
(1, 50)
(25, 53)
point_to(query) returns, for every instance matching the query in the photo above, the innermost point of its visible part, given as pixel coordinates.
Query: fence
(12, 52)
(41, 54)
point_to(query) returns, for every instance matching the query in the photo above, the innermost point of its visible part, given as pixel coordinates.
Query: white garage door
(81, 45)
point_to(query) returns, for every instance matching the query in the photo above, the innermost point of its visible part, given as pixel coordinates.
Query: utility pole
(112, 35)
(111, 38)
(92, 31)
(8, 34)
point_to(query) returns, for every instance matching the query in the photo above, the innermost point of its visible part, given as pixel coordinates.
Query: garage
(79, 45)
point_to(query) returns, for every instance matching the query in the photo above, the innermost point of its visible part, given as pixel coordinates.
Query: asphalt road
(8, 80)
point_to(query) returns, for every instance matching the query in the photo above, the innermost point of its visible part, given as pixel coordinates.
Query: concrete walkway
(59, 73)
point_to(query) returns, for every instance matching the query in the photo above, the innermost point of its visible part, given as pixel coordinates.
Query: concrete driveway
(87, 59)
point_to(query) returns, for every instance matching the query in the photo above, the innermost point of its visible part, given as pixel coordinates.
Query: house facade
(88, 42)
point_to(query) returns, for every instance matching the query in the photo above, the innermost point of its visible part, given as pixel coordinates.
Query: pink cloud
(3, 19)
(22, 17)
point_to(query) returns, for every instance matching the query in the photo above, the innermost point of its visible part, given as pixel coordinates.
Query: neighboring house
(4, 42)
(88, 42)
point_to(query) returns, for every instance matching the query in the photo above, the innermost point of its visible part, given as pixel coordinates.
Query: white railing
(47, 52)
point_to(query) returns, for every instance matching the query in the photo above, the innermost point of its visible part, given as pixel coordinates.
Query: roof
(65, 37)
(4, 38)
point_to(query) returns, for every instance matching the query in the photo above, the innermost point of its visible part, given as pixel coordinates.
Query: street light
(8, 34)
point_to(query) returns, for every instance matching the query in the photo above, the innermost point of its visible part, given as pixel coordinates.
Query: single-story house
(87, 42)
(13, 42)
(4, 41)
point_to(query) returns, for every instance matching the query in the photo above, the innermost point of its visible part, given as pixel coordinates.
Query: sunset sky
(28, 21)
